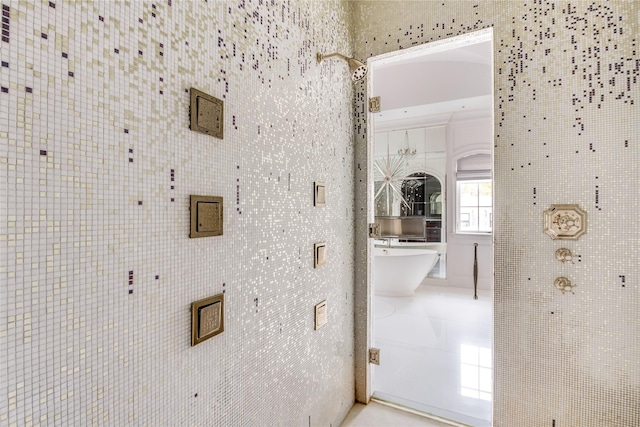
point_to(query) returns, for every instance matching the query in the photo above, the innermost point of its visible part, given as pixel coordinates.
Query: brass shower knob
(565, 255)
(564, 285)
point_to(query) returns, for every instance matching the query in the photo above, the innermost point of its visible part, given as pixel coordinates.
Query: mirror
(423, 193)
(409, 171)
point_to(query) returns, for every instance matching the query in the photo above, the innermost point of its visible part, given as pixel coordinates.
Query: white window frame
(458, 209)
(474, 169)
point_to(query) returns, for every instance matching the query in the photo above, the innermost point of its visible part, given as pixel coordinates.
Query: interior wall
(463, 138)
(97, 164)
(566, 131)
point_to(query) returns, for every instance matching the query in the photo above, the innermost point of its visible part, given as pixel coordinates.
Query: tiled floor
(436, 353)
(378, 415)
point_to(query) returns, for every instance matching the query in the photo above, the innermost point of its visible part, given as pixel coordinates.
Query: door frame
(364, 390)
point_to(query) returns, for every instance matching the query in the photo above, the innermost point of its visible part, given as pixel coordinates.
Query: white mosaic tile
(97, 165)
(566, 94)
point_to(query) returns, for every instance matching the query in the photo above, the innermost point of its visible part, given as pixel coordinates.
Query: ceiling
(434, 88)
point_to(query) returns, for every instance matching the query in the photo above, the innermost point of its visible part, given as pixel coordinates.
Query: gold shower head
(358, 69)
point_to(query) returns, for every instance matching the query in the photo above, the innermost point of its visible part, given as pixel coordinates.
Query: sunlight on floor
(435, 353)
(378, 415)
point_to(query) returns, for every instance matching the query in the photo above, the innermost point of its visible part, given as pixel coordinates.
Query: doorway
(437, 110)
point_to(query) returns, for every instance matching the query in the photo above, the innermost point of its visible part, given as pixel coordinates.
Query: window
(474, 208)
(475, 212)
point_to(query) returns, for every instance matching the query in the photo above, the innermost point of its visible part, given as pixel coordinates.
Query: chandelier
(406, 150)
(389, 177)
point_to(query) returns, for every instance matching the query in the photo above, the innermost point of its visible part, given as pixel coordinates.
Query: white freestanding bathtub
(399, 271)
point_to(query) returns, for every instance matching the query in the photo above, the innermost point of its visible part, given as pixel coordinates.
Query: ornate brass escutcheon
(567, 222)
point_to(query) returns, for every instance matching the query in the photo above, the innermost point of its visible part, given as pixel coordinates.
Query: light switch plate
(319, 194)
(321, 315)
(206, 114)
(207, 318)
(319, 254)
(206, 216)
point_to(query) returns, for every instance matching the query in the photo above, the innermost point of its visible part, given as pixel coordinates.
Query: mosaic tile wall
(566, 131)
(97, 164)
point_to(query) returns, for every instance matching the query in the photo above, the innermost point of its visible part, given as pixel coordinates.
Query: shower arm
(321, 57)
(357, 69)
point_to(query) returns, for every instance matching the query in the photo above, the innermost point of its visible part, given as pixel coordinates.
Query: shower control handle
(565, 255)
(564, 285)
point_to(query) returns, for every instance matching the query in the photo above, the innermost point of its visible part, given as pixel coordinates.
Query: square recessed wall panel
(206, 114)
(319, 254)
(206, 216)
(319, 194)
(207, 318)
(321, 315)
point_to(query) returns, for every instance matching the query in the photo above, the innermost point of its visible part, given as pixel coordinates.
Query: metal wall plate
(374, 230)
(206, 114)
(207, 318)
(319, 194)
(207, 215)
(374, 104)
(565, 222)
(374, 356)
(319, 254)
(321, 315)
